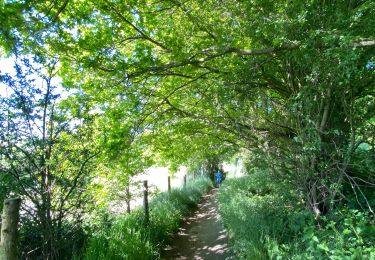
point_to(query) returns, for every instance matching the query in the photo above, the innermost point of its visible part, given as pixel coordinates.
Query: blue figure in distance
(218, 178)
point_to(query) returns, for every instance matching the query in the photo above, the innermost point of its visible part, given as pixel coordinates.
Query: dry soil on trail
(201, 236)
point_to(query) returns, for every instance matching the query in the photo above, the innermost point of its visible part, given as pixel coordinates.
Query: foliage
(344, 234)
(69, 239)
(123, 239)
(191, 82)
(127, 236)
(251, 211)
(292, 81)
(45, 157)
(265, 223)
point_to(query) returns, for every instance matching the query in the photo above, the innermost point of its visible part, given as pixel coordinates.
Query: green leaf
(346, 231)
(323, 246)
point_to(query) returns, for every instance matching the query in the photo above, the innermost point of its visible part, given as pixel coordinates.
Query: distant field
(157, 178)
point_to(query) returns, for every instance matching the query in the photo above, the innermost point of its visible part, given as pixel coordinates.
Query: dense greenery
(268, 221)
(46, 157)
(102, 90)
(127, 236)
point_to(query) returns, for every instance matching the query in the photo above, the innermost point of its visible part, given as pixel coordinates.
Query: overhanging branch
(364, 43)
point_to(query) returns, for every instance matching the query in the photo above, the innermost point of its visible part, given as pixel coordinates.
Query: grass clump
(268, 221)
(127, 236)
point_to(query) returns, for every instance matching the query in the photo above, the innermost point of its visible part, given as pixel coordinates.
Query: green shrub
(69, 239)
(344, 234)
(264, 221)
(127, 237)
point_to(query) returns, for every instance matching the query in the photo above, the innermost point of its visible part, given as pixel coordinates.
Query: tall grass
(251, 213)
(127, 236)
(265, 221)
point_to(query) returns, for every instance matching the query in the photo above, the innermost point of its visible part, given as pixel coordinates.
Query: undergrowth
(127, 236)
(267, 221)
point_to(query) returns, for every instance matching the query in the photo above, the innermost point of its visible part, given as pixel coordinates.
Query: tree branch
(61, 9)
(364, 43)
(139, 30)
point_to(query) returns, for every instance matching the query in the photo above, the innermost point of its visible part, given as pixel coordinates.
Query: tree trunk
(10, 218)
(46, 217)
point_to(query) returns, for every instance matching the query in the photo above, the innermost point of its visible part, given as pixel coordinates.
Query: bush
(344, 234)
(69, 240)
(264, 221)
(127, 237)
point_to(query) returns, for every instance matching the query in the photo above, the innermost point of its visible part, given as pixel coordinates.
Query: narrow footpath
(202, 235)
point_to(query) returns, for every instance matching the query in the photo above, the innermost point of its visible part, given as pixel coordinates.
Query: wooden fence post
(169, 184)
(9, 226)
(145, 202)
(128, 197)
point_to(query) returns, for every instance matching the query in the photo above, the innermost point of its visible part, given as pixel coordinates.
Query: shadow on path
(202, 235)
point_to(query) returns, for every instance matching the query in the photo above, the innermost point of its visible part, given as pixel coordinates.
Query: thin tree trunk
(10, 218)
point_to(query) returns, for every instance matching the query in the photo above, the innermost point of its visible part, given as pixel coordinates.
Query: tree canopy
(292, 82)
(202, 74)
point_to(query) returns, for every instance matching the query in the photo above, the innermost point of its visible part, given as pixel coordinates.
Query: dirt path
(202, 235)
